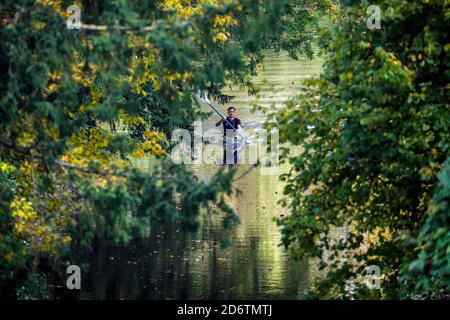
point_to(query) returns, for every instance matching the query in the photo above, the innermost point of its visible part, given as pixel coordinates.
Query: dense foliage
(429, 273)
(374, 134)
(77, 105)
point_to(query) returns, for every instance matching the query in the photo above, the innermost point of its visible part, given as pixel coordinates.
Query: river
(176, 265)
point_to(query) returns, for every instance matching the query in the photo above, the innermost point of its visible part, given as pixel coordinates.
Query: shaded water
(176, 265)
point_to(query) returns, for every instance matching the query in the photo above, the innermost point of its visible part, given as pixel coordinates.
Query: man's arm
(218, 123)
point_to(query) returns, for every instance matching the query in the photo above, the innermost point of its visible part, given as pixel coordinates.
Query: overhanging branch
(62, 164)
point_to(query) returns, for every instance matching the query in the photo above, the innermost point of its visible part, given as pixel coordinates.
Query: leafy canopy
(78, 106)
(373, 132)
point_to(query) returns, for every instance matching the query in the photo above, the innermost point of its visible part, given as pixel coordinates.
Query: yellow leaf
(138, 153)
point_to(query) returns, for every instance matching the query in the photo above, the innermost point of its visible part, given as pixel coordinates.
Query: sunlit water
(176, 265)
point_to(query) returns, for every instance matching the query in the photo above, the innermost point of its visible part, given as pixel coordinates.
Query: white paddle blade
(202, 95)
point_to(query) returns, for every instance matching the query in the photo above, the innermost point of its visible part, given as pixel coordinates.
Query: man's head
(231, 112)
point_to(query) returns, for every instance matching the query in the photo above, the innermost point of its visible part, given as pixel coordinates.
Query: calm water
(174, 265)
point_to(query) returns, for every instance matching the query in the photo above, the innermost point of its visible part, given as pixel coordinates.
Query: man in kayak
(230, 125)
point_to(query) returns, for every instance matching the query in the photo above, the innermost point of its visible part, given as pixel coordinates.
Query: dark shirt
(226, 126)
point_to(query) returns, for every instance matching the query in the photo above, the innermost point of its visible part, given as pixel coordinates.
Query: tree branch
(68, 165)
(63, 164)
(94, 27)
